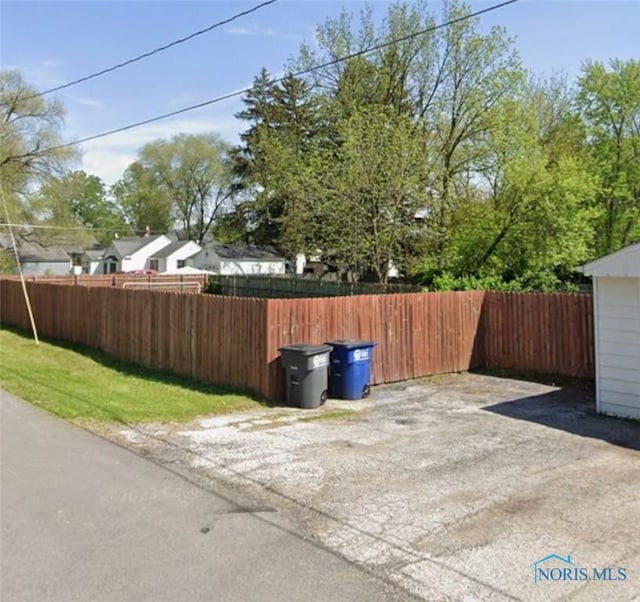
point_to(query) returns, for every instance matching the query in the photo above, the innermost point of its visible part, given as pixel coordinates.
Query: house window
(154, 264)
(181, 263)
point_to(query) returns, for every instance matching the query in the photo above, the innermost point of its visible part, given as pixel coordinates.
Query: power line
(49, 227)
(280, 79)
(152, 52)
(125, 227)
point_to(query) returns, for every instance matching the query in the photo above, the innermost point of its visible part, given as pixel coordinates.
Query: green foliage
(285, 122)
(7, 262)
(609, 103)
(140, 201)
(546, 282)
(367, 191)
(187, 178)
(78, 200)
(29, 125)
(516, 180)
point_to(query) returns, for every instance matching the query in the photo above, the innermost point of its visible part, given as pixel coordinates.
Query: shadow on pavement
(573, 411)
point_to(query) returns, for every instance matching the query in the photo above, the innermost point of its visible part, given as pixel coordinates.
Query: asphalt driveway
(85, 520)
(452, 488)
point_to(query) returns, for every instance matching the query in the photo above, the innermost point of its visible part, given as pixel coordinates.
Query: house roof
(172, 248)
(130, 244)
(94, 254)
(245, 252)
(34, 251)
(624, 263)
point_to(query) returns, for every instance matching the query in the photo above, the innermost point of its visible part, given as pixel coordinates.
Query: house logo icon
(554, 567)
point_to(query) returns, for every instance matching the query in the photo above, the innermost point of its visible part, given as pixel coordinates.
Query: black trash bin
(306, 369)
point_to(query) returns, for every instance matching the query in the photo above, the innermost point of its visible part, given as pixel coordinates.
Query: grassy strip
(82, 384)
(340, 414)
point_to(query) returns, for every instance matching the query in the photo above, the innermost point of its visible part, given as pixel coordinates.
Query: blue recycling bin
(350, 374)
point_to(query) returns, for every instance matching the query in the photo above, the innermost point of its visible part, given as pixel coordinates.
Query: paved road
(83, 519)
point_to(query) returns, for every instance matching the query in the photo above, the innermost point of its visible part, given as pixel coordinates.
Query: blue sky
(53, 42)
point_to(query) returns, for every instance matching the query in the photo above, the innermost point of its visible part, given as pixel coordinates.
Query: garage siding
(618, 346)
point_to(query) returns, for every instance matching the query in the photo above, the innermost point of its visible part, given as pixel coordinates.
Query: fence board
(162, 330)
(291, 286)
(550, 334)
(453, 321)
(235, 341)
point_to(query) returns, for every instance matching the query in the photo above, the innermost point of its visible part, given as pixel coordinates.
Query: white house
(90, 261)
(173, 257)
(238, 259)
(616, 300)
(132, 253)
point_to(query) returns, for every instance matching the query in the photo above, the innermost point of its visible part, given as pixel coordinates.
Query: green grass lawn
(82, 384)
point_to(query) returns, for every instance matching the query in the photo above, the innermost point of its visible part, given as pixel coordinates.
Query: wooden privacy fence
(211, 339)
(550, 334)
(416, 334)
(235, 341)
(183, 283)
(291, 286)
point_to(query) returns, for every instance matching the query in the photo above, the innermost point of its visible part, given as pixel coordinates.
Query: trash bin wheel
(366, 391)
(323, 397)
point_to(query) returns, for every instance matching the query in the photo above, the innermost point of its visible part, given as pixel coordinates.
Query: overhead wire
(75, 228)
(300, 73)
(154, 51)
(52, 227)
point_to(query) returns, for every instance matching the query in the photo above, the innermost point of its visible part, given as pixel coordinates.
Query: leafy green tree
(439, 153)
(532, 212)
(363, 195)
(29, 127)
(609, 102)
(475, 73)
(194, 172)
(79, 200)
(187, 179)
(140, 201)
(286, 121)
(448, 84)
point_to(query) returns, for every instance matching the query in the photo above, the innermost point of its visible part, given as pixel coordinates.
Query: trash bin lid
(305, 349)
(351, 343)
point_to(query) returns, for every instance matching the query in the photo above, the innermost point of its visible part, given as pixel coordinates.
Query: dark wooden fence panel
(291, 286)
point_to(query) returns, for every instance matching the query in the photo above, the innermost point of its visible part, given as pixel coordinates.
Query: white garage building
(616, 300)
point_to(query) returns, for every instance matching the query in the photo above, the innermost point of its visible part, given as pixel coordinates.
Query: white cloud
(106, 163)
(90, 103)
(267, 32)
(108, 157)
(52, 63)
